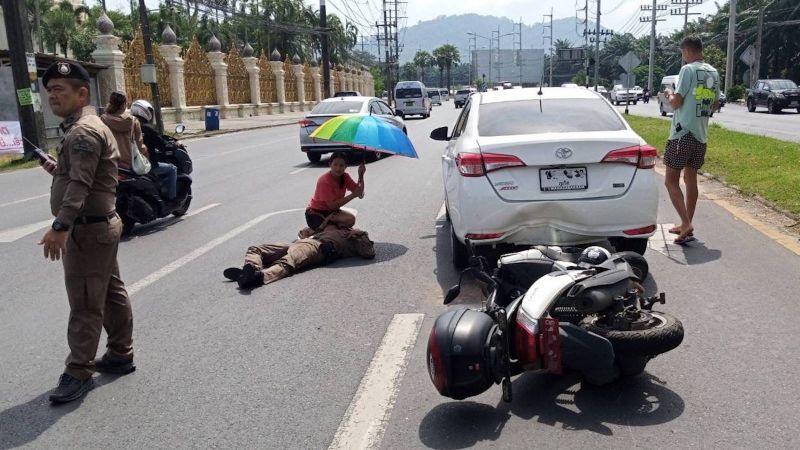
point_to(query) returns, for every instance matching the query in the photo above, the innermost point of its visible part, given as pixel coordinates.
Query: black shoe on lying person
(70, 388)
(250, 277)
(232, 273)
(115, 365)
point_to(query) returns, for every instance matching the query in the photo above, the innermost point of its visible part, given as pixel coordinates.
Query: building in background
(524, 66)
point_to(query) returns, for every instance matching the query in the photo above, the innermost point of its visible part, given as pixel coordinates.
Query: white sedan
(560, 168)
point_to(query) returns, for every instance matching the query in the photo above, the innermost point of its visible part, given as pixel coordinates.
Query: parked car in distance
(460, 99)
(569, 85)
(507, 85)
(444, 94)
(347, 94)
(411, 99)
(668, 82)
(775, 95)
(435, 96)
(638, 91)
(337, 106)
(621, 94)
(566, 171)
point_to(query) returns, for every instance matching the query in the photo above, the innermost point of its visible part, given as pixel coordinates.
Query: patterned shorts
(685, 151)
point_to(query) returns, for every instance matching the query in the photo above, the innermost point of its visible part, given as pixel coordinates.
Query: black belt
(86, 220)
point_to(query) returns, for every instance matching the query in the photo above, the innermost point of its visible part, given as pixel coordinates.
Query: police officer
(85, 234)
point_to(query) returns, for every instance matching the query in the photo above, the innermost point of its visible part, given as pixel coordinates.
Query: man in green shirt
(695, 97)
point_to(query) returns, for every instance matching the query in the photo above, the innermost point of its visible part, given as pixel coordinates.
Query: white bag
(139, 163)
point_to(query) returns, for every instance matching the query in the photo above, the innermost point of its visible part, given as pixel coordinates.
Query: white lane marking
(13, 234)
(203, 209)
(366, 418)
(22, 200)
(249, 147)
(178, 263)
(295, 172)
(442, 214)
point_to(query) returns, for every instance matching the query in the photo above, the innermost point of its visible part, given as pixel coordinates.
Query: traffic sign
(748, 56)
(628, 80)
(629, 61)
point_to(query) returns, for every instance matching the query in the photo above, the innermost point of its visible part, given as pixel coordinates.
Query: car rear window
(340, 107)
(555, 116)
(409, 93)
(463, 91)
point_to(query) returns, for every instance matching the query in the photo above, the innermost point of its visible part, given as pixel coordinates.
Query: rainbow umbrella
(366, 133)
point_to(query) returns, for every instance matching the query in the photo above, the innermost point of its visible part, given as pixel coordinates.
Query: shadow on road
(697, 253)
(552, 400)
(22, 424)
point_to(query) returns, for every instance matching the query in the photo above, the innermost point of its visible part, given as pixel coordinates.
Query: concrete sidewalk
(196, 128)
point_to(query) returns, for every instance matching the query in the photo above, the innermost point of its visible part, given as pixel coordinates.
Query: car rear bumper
(565, 222)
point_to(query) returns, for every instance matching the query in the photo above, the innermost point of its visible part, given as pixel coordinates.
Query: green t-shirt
(698, 84)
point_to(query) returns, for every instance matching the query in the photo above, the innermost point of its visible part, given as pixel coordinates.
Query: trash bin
(212, 119)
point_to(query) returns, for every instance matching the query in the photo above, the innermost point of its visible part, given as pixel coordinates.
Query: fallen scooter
(139, 198)
(550, 309)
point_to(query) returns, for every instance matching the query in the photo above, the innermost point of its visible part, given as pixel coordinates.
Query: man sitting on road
(267, 263)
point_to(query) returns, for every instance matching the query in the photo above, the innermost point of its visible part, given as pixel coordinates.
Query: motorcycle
(547, 309)
(139, 197)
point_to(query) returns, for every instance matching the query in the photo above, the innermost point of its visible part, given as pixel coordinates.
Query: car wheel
(635, 103)
(460, 255)
(798, 110)
(771, 107)
(314, 157)
(621, 244)
(751, 105)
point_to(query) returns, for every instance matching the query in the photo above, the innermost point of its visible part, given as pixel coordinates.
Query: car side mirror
(398, 113)
(180, 128)
(452, 294)
(440, 134)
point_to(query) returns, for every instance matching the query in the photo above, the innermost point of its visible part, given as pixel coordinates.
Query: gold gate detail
(308, 83)
(337, 79)
(238, 79)
(289, 82)
(198, 77)
(134, 87)
(269, 93)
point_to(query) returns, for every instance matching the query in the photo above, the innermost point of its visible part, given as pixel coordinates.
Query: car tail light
(436, 368)
(479, 164)
(637, 231)
(526, 339)
(306, 123)
(483, 236)
(643, 157)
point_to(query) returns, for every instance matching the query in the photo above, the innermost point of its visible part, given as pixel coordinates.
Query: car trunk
(317, 119)
(567, 166)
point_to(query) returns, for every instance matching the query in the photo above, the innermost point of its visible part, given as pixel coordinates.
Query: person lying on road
(267, 263)
(329, 197)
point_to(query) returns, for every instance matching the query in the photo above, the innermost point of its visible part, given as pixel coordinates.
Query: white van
(669, 81)
(436, 96)
(411, 99)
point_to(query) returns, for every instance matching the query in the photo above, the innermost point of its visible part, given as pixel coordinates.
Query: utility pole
(551, 42)
(653, 19)
(684, 11)
(597, 48)
(586, 42)
(519, 58)
(729, 75)
(757, 64)
(387, 45)
(148, 56)
(38, 21)
(326, 54)
(23, 70)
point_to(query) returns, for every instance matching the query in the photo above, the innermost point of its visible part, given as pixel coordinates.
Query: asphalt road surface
(335, 356)
(733, 116)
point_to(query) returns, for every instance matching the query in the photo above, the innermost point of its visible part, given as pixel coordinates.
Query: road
(300, 363)
(782, 126)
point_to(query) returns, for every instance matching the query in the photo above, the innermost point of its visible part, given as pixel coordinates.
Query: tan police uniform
(82, 197)
(278, 261)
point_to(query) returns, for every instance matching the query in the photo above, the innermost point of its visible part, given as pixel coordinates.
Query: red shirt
(328, 190)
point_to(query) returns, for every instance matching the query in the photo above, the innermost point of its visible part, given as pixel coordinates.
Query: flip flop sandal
(685, 240)
(676, 230)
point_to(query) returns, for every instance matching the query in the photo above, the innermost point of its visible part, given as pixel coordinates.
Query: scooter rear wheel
(663, 334)
(185, 206)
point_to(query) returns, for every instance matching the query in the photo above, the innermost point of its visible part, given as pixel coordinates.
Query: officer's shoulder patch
(83, 143)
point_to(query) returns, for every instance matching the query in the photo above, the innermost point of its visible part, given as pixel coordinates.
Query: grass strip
(755, 164)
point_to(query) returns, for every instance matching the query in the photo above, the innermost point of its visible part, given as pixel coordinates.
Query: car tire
(798, 110)
(621, 244)
(314, 158)
(751, 105)
(460, 254)
(771, 107)
(661, 108)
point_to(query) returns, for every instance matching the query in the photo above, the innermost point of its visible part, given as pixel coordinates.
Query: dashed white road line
(366, 418)
(182, 261)
(200, 210)
(22, 200)
(13, 234)
(295, 172)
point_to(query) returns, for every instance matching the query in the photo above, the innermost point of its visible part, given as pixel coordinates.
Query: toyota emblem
(563, 153)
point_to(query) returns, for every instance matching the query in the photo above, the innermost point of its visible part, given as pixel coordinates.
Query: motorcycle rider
(167, 173)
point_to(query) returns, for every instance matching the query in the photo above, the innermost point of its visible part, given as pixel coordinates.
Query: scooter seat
(566, 254)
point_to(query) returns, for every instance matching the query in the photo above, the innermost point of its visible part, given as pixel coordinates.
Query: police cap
(65, 69)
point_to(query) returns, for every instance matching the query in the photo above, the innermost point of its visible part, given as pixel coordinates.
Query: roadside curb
(205, 134)
(756, 197)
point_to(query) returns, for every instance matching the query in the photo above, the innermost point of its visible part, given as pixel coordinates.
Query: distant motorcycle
(139, 198)
(550, 309)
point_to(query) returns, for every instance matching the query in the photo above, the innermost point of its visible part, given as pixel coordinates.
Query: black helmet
(594, 255)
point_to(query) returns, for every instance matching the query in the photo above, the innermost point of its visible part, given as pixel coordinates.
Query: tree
(446, 56)
(422, 60)
(641, 72)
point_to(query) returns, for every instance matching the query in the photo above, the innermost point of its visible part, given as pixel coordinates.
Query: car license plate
(563, 179)
(409, 103)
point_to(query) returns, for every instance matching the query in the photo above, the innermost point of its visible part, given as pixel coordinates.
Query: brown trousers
(278, 261)
(97, 296)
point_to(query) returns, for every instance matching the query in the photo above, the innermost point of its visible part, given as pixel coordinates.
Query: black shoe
(70, 388)
(232, 273)
(114, 365)
(250, 277)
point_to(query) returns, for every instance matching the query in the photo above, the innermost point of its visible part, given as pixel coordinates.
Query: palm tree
(422, 60)
(60, 22)
(37, 9)
(446, 56)
(441, 62)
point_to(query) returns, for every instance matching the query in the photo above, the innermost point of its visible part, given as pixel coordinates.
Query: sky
(619, 15)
